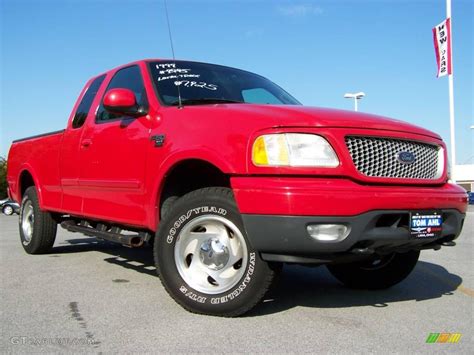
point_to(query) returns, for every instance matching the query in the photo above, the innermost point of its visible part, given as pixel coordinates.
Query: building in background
(465, 176)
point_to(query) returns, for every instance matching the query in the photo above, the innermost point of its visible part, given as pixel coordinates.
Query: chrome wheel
(211, 254)
(27, 222)
(8, 210)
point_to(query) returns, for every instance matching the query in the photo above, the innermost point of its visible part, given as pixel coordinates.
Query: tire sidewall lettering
(192, 212)
(191, 295)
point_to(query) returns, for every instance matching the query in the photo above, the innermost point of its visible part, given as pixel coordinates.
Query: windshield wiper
(205, 101)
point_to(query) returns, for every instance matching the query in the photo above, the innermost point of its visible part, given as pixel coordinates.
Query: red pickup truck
(229, 177)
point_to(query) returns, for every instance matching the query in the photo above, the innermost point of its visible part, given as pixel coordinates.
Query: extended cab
(229, 177)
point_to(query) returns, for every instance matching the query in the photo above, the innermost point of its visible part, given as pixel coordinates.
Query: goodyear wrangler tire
(204, 259)
(37, 227)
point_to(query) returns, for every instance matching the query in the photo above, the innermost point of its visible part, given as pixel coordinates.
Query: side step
(102, 231)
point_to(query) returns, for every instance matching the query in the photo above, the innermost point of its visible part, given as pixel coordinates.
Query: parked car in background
(471, 197)
(9, 207)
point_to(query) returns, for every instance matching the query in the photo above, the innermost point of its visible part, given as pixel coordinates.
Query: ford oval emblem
(406, 157)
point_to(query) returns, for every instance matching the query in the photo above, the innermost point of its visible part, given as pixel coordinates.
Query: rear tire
(37, 228)
(204, 259)
(380, 273)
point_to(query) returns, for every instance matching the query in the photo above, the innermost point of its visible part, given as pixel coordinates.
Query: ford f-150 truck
(229, 177)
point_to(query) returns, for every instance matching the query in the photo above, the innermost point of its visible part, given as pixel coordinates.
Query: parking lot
(90, 296)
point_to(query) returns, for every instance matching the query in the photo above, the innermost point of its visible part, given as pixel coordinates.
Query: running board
(102, 231)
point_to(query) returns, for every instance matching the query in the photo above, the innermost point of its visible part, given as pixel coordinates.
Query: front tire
(37, 228)
(379, 273)
(204, 258)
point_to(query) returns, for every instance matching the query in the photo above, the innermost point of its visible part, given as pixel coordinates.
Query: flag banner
(442, 42)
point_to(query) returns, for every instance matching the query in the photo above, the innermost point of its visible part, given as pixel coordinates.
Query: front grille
(379, 157)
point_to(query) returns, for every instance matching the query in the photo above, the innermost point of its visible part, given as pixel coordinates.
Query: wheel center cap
(214, 254)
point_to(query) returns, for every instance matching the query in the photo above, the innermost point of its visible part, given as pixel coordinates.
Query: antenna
(180, 104)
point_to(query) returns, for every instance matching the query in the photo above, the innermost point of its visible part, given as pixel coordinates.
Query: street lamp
(356, 96)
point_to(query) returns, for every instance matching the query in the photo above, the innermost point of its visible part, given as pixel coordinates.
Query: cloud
(299, 10)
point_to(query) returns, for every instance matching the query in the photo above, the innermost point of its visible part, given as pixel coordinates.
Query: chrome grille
(379, 157)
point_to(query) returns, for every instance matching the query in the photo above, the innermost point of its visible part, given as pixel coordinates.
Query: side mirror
(122, 102)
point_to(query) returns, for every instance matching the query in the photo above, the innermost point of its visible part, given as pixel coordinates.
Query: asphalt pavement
(91, 296)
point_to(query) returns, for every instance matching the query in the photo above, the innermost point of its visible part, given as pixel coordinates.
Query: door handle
(86, 143)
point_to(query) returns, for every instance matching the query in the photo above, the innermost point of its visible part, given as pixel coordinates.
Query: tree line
(3, 178)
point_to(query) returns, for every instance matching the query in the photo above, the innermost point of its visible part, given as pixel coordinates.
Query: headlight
(293, 149)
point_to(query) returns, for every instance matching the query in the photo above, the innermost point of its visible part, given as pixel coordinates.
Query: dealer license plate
(426, 224)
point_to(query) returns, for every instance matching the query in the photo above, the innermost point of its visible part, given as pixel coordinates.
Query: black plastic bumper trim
(287, 235)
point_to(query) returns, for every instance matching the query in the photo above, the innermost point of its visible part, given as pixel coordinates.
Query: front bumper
(378, 232)
(277, 211)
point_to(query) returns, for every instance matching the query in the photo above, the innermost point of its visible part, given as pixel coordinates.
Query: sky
(316, 50)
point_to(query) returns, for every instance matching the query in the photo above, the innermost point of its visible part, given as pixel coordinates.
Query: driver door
(114, 152)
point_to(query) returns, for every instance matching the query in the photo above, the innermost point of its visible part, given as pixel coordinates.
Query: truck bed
(40, 155)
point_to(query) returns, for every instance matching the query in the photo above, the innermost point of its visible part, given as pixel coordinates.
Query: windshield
(201, 83)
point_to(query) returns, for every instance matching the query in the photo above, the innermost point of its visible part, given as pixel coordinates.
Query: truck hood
(304, 116)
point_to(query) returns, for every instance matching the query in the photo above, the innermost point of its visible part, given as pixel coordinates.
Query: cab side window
(86, 102)
(126, 78)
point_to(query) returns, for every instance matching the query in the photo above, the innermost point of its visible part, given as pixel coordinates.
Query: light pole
(356, 96)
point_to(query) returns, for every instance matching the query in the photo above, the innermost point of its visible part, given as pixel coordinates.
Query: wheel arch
(26, 179)
(206, 173)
